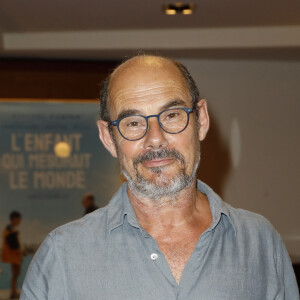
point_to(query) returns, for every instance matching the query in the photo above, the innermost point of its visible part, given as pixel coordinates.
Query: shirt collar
(217, 206)
(120, 206)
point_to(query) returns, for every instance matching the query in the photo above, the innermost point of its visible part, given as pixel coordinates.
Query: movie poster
(50, 156)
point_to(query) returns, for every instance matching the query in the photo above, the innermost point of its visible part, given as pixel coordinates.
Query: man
(164, 235)
(88, 202)
(11, 251)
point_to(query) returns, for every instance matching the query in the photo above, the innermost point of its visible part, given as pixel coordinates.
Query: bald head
(142, 62)
(131, 69)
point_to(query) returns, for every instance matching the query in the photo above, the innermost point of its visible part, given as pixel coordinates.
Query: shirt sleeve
(290, 289)
(45, 278)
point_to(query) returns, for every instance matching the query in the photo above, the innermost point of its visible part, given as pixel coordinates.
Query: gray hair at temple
(104, 90)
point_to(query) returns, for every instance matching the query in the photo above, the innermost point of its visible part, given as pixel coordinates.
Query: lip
(158, 162)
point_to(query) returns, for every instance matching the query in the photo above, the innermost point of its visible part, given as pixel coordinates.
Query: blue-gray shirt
(107, 255)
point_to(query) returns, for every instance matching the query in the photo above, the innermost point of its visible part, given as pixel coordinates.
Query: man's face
(160, 164)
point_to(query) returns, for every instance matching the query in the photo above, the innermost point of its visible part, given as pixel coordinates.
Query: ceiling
(111, 29)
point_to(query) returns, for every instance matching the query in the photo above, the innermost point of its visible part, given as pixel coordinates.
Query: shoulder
(243, 220)
(264, 249)
(247, 217)
(89, 227)
(252, 225)
(92, 229)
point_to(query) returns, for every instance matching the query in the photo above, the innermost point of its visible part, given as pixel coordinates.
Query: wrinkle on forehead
(146, 77)
(149, 65)
(151, 89)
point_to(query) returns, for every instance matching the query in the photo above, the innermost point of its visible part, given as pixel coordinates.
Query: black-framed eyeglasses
(135, 127)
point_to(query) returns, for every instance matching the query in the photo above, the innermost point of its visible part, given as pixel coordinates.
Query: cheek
(187, 143)
(129, 150)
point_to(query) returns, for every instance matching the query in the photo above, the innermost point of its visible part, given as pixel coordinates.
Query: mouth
(158, 162)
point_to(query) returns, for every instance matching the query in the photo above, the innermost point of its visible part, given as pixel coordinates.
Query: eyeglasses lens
(133, 127)
(171, 121)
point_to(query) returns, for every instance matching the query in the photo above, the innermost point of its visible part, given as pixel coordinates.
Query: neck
(170, 213)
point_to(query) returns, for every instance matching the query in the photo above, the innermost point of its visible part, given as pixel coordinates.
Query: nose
(155, 137)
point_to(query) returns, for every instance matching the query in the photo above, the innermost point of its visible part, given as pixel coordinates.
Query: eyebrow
(172, 103)
(175, 102)
(128, 112)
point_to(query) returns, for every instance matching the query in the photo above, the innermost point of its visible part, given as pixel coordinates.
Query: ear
(106, 138)
(203, 119)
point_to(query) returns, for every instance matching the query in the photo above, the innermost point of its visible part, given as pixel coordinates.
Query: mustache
(158, 154)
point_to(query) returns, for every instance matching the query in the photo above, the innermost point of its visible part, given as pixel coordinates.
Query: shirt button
(154, 256)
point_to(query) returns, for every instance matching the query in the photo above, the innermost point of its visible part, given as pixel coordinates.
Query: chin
(158, 182)
(159, 186)
(160, 176)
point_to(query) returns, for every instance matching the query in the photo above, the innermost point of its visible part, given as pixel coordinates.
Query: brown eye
(172, 115)
(133, 124)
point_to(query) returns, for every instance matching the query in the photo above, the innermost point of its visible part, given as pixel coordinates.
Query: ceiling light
(178, 8)
(170, 11)
(187, 11)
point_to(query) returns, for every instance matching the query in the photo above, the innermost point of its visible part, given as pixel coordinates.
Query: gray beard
(165, 187)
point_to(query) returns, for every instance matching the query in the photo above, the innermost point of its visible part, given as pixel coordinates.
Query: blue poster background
(46, 190)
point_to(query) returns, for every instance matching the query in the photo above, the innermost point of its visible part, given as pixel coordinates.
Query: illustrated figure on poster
(164, 235)
(88, 202)
(12, 251)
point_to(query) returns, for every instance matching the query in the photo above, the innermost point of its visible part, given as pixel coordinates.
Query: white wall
(255, 107)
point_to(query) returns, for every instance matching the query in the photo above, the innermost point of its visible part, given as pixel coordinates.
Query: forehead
(146, 82)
